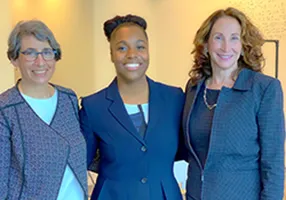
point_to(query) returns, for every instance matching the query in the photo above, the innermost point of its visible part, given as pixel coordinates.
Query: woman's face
(224, 44)
(129, 53)
(38, 71)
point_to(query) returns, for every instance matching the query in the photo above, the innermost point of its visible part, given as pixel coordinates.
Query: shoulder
(260, 86)
(10, 97)
(65, 90)
(168, 89)
(254, 81)
(262, 82)
(95, 97)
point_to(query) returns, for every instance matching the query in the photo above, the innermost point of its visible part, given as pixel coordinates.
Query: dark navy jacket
(132, 167)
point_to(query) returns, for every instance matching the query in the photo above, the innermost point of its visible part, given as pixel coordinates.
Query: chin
(226, 65)
(134, 78)
(41, 82)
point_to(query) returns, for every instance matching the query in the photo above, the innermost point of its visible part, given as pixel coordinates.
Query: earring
(205, 50)
(242, 53)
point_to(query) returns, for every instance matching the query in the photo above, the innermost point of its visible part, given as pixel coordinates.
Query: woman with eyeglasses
(43, 153)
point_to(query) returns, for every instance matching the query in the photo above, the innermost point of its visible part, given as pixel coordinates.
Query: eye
(30, 52)
(217, 37)
(235, 38)
(122, 48)
(48, 52)
(141, 47)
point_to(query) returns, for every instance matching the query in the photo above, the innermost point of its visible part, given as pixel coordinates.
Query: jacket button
(143, 148)
(144, 180)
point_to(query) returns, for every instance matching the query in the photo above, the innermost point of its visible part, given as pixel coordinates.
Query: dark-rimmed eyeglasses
(32, 54)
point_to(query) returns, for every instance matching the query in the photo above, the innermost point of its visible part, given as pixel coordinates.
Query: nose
(131, 53)
(39, 60)
(225, 46)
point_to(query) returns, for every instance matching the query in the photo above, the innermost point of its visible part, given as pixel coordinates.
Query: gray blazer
(246, 151)
(34, 155)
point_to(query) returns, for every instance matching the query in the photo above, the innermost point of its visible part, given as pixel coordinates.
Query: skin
(35, 75)
(224, 47)
(130, 54)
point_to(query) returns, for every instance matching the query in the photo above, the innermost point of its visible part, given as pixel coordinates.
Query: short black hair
(111, 24)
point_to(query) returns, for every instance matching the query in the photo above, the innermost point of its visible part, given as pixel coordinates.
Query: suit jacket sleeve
(271, 137)
(182, 153)
(90, 138)
(5, 152)
(182, 150)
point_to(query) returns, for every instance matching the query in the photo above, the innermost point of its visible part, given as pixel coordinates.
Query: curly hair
(35, 28)
(251, 40)
(111, 25)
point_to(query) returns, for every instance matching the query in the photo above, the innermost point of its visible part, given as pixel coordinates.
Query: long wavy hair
(251, 40)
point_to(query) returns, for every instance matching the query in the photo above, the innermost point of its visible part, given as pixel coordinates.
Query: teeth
(132, 65)
(225, 56)
(39, 72)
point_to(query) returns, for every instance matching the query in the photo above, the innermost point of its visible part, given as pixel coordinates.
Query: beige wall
(78, 26)
(72, 23)
(86, 65)
(6, 69)
(171, 28)
(177, 24)
(103, 10)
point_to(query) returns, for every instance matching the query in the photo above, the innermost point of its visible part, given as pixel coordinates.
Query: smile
(39, 72)
(225, 57)
(132, 66)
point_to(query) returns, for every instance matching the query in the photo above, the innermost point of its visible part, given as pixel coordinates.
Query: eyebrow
(31, 48)
(124, 42)
(219, 33)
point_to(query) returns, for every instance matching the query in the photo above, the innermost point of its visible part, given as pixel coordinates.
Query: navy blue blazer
(246, 152)
(132, 167)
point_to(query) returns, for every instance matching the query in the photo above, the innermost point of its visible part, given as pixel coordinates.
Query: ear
(15, 63)
(242, 52)
(111, 56)
(206, 48)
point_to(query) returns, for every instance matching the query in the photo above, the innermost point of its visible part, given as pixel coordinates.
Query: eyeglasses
(32, 54)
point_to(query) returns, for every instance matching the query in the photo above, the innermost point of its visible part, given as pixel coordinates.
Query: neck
(42, 91)
(136, 92)
(221, 78)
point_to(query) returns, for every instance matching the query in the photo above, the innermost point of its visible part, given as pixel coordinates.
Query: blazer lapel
(156, 106)
(191, 96)
(119, 112)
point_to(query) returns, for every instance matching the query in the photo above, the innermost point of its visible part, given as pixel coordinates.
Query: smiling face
(224, 43)
(129, 53)
(39, 71)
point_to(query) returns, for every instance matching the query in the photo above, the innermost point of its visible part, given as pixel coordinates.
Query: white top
(45, 109)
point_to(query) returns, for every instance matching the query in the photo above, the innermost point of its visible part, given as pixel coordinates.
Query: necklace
(210, 107)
